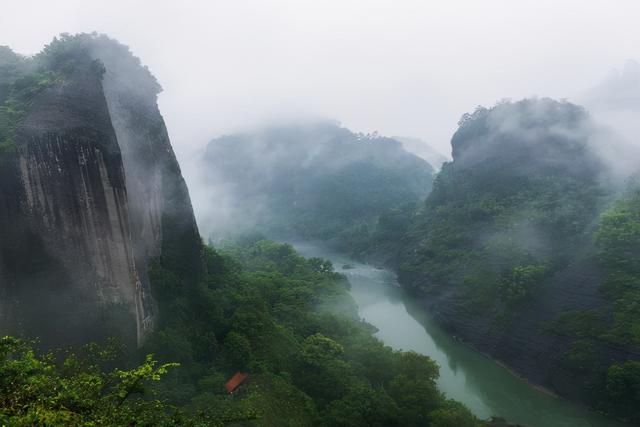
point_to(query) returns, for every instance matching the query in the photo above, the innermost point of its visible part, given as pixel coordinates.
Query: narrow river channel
(465, 375)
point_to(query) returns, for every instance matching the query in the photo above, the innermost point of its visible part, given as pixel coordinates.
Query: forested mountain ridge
(90, 192)
(523, 187)
(312, 180)
(515, 252)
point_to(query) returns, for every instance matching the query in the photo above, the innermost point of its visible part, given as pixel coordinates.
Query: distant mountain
(615, 104)
(422, 149)
(312, 180)
(619, 90)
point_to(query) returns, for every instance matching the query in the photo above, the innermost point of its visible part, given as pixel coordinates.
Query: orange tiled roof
(235, 381)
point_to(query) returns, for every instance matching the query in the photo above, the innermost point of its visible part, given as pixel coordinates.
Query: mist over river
(487, 388)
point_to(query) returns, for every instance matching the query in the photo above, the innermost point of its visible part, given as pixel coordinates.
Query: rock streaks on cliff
(90, 196)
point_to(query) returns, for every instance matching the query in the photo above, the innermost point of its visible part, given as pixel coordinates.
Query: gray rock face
(90, 196)
(162, 218)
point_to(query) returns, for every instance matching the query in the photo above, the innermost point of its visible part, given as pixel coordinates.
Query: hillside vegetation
(521, 251)
(286, 321)
(518, 202)
(311, 181)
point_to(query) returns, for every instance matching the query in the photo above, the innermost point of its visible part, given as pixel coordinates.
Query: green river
(465, 375)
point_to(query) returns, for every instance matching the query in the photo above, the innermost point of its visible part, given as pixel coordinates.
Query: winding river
(465, 375)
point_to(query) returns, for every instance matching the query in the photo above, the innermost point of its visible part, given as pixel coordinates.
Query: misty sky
(408, 68)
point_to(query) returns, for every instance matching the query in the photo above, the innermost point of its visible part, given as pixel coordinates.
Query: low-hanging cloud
(406, 68)
(614, 104)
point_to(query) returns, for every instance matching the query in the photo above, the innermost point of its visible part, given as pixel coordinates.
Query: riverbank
(485, 386)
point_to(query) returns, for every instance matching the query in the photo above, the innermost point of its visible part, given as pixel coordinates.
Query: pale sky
(400, 67)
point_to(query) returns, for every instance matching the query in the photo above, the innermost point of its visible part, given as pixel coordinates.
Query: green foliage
(618, 239)
(77, 392)
(582, 356)
(20, 87)
(521, 282)
(619, 236)
(594, 332)
(22, 79)
(237, 351)
(69, 53)
(623, 389)
(314, 181)
(453, 414)
(318, 350)
(290, 324)
(581, 323)
(518, 196)
(363, 406)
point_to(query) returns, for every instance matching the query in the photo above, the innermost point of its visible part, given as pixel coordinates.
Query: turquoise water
(465, 375)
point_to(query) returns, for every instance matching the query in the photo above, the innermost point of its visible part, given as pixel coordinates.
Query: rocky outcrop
(90, 194)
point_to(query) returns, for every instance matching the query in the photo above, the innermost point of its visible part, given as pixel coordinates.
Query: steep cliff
(90, 193)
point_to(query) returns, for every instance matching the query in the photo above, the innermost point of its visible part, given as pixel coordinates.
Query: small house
(236, 381)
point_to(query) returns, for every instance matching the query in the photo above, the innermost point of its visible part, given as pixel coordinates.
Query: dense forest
(308, 181)
(262, 309)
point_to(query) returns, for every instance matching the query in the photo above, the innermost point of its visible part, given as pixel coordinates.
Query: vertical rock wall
(69, 270)
(90, 195)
